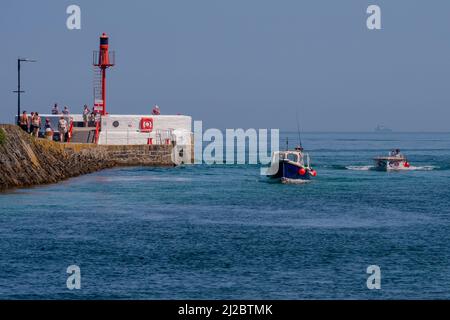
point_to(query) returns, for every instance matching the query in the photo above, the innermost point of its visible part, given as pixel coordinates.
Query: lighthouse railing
(111, 58)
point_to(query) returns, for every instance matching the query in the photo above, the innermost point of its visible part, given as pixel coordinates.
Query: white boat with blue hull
(291, 166)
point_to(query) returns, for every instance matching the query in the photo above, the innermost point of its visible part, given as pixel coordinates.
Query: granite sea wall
(27, 161)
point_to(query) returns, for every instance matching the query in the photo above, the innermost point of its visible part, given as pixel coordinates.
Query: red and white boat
(395, 161)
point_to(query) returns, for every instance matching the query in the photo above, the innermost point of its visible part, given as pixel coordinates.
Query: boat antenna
(298, 130)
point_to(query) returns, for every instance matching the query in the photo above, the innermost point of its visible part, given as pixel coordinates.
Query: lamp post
(18, 91)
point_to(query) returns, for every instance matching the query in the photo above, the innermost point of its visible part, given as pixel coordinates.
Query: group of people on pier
(32, 123)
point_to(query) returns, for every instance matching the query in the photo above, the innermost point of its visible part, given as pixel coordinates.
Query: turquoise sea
(225, 232)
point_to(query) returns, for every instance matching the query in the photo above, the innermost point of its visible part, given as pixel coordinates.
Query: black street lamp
(18, 91)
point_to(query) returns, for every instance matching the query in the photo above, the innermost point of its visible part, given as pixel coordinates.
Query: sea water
(225, 232)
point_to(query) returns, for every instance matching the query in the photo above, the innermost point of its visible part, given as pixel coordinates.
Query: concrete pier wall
(127, 155)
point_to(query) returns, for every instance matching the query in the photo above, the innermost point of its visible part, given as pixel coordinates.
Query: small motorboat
(291, 166)
(395, 161)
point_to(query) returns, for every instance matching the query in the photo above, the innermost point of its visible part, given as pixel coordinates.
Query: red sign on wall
(146, 124)
(98, 105)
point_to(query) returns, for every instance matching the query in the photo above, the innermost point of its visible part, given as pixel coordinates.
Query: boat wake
(411, 168)
(360, 168)
(421, 168)
(294, 181)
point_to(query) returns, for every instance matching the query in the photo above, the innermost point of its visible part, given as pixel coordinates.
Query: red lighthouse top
(103, 59)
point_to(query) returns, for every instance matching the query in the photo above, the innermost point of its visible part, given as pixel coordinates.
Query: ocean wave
(421, 168)
(333, 166)
(142, 178)
(443, 167)
(294, 181)
(360, 168)
(411, 168)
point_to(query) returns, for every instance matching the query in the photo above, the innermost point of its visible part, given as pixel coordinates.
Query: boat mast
(298, 130)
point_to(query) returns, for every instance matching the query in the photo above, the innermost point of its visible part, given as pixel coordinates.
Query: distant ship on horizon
(382, 128)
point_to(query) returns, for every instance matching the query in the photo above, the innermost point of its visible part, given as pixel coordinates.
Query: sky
(238, 63)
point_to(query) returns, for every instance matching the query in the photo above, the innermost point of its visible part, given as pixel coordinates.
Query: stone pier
(27, 161)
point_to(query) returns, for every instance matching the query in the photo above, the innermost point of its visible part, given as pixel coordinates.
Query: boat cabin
(293, 156)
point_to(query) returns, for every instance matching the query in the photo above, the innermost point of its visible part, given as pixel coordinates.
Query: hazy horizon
(236, 64)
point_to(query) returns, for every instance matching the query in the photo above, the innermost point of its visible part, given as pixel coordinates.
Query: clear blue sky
(239, 63)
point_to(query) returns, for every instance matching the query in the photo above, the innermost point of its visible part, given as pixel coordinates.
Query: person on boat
(156, 110)
(394, 152)
(62, 128)
(55, 109)
(299, 149)
(24, 122)
(86, 113)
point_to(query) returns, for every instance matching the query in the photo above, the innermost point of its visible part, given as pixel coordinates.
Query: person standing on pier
(48, 129)
(55, 109)
(36, 122)
(66, 111)
(86, 113)
(62, 128)
(156, 110)
(31, 123)
(24, 122)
